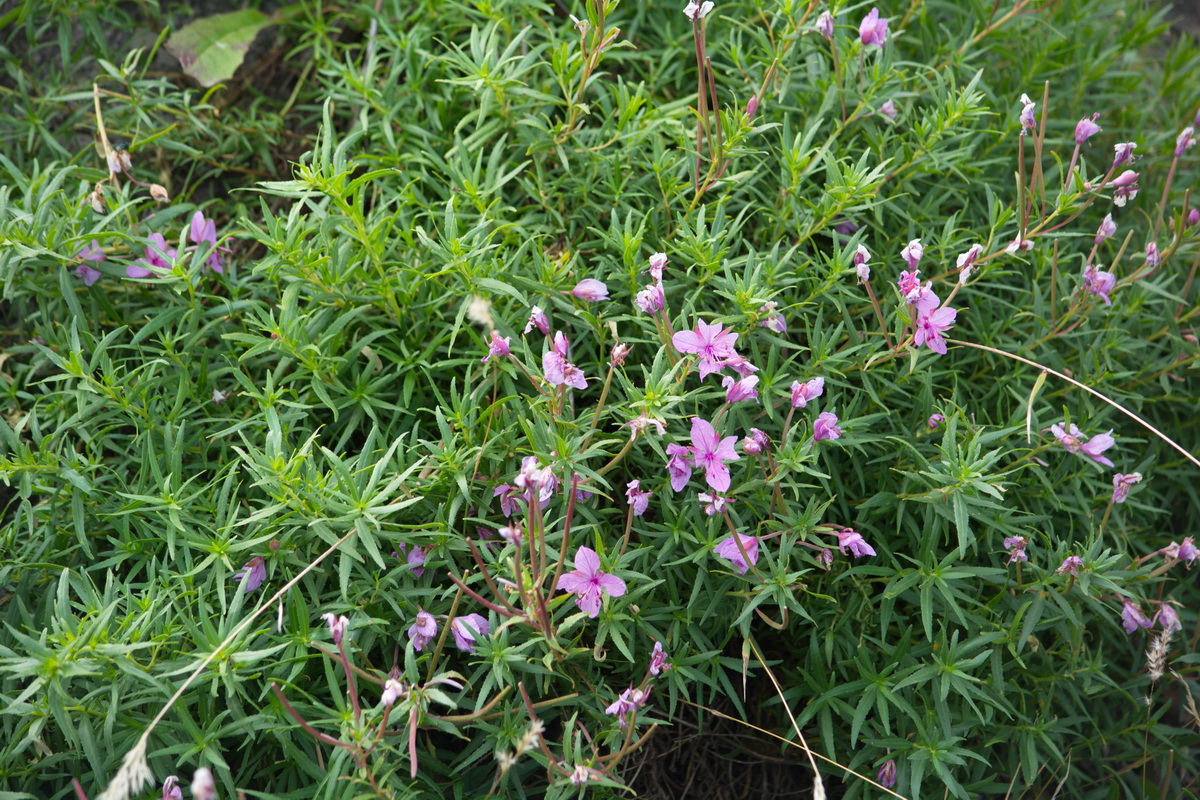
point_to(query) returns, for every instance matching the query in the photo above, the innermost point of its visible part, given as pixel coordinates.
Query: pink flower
(508, 499)
(1086, 129)
(710, 342)
(658, 262)
(423, 630)
(1125, 186)
(643, 423)
(1028, 121)
(1099, 283)
(1188, 551)
(205, 231)
(888, 109)
(534, 478)
(497, 347)
(252, 575)
(203, 785)
(637, 497)
(729, 550)
(413, 556)
(1168, 618)
(337, 626)
(710, 452)
(1095, 447)
(713, 503)
(511, 533)
(1133, 618)
(1016, 549)
(171, 790)
(737, 391)
(739, 364)
(757, 442)
(591, 290)
(912, 253)
(773, 321)
(658, 660)
(539, 320)
(935, 421)
(826, 427)
(1018, 244)
(157, 259)
(1152, 256)
(85, 271)
(628, 703)
(803, 393)
(861, 257)
(1122, 484)
(1123, 152)
(557, 369)
(588, 582)
(679, 466)
(467, 629)
(697, 11)
(1106, 230)
(1067, 438)
(886, 777)
(854, 542)
(393, 690)
(872, 31)
(1184, 141)
(1070, 566)
(652, 299)
(930, 328)
(824, 25)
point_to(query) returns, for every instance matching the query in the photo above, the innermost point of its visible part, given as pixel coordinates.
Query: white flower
(695, 12)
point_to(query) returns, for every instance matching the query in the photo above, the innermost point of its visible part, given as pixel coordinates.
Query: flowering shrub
(509, 386)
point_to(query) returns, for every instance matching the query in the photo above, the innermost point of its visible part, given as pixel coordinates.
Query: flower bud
(1193, 217)
(159, 193)
(752, 106)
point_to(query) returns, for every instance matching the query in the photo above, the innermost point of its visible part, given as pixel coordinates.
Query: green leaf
(212, 48)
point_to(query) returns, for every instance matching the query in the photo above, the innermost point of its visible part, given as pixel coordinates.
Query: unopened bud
(159, 193)
(752, 106)
(1193, 217)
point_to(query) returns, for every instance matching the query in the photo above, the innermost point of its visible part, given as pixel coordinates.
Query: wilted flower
(159, 193)
(888, 109)
(467, 629)
(252, 575)
(872, 31)
(337, 626)
(825, 557)
(219, 397)
(679, 465)
(588, 582)
(1086, 129)
(539, 320)
(886, 777)
(854, 542)
(1184, 552)
(497, 347)
(826, 427)
(728, 549)
(1184, 141)
(1168, 618)
(1123, 152)
(757, 442)
(930, 328)
(1016, 549)
(824, 25)
(1070, 566)
(802, 393)
(710, 342)
(658, 262)
(618, 355)
(1106, 230)
(1133, 618)
(423, 630)
(591, 290)
(738, 391)
(1099, 283)
(203, 785)
(1122, 484)
(658, 660)
(1028, 121)
(637, 497)
(581, 774)
(643, 423)
(651, 299)
(697, 11)
(912, 253)
(119, 161)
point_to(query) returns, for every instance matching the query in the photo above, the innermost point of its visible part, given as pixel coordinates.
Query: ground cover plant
(488, 399)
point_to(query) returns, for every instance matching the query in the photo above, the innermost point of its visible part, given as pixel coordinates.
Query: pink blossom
(637, 497)
(205, 231)
(252, 575)
(413, 556)
(1095, 447)
(931, 327)
(803, 393)
(85, 271)
(738, 391)
(1068, 438)
(854, 542)
(508, 498)
(1028, 121)
(1018, 244)
(1125, 186)
(710, 452)
(967, 259)
(557, 369)
(1106, 230)
(539, 320)
(739, 364)
(171, 790)
(1086, 129)
(679, 466)
(658, 262)
(909, 284)
(1184, 141)
(757, 442)
(872, 31)
(935, 420)
(628, 703)
(1123, 152)
(582, 773)
(824, 25)
(1070, 566)
(1099, 283)
(591, 290)
(728, 549)
(888, 109)
(713, 503)
(658, 660)
(1122, 484)
(652, 299)
(912, 253)
(861, 257)
(1168, 618)
(157, 259)
(589, 583)
(511, 533)
(203, 786)
(534, 478)
(826, 427)
(643, 423)
(1133, 618)
(467, 629)
(773, 321)
(710, 342)
(393, 690)
(423, 630)
(1016, 549)
(497, 347)
(337, 626)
